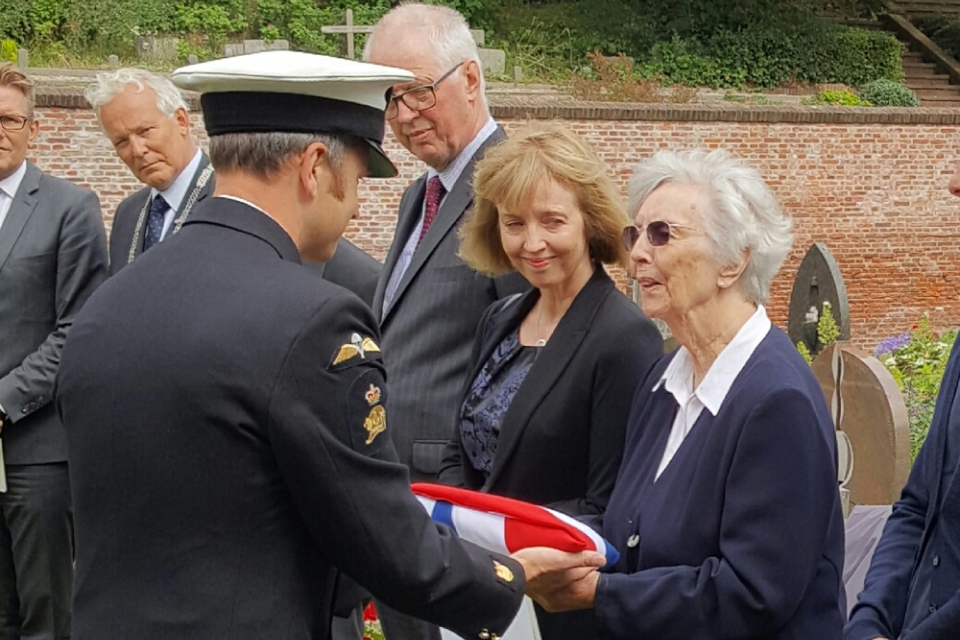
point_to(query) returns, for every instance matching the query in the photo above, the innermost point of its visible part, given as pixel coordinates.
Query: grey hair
(263, 154)
(744, 215)
(445, 29)
(109, 85)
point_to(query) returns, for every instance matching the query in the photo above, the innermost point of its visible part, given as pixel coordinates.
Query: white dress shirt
(448, 178)
(713, 389)
(176, 192)
(8, 189)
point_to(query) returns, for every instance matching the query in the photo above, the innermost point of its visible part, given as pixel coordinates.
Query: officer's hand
(547, 570)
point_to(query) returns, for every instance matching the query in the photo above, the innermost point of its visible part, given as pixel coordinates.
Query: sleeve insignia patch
(376, 423)
(358, 346)
(372, 395)
(503, 571)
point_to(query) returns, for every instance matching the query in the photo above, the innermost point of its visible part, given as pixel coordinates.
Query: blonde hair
(10, 76)
(508, 177)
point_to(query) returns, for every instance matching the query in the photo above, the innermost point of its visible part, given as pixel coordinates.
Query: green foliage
(943, 30)
(8, 50)
(837, 98)
(917, 362)
(827, 330)
(887, 93)
(804, 352)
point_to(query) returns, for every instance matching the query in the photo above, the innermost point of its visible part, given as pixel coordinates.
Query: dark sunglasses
(658, 233)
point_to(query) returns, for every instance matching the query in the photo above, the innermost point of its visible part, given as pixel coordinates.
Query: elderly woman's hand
(560, 581)
(577, 593)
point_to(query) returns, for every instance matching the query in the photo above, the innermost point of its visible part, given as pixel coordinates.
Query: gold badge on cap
(376, 423)
(358, 346)
(372, 395)
(503, 571)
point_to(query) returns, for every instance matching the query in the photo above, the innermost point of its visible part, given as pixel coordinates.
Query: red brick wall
(874, 193)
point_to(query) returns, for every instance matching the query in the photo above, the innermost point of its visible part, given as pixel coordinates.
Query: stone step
(951, 93)
(942, 105)
(930, 84)
(917, 66)
(924, 75)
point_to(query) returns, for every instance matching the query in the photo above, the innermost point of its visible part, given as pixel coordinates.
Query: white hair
(111, 84)
(444, 28)
(745, 214)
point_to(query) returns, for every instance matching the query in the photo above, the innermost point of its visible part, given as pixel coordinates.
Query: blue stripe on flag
(443, 513)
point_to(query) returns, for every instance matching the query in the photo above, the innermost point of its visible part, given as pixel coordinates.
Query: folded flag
(506, 525)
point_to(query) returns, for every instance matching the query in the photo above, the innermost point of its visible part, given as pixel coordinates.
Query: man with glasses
(53, 254)
(429, 302)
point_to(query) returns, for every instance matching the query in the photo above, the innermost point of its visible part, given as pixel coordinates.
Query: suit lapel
(23, 205)
(551, 363)
(407, 218)
(454, 205)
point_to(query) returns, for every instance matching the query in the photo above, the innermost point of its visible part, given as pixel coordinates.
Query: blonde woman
(554, 370)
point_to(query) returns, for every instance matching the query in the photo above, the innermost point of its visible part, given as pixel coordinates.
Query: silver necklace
(192, 200)
(541, 342)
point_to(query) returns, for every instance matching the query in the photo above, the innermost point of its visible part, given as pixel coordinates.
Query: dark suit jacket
(225, 457)
(429, 329)
(53, 255)
(882, 606)
(561, 441)
(742, 534)
(128, 212)
(351, 268)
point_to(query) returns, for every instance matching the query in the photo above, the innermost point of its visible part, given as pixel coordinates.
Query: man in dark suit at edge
(226, 432)
(53, 255)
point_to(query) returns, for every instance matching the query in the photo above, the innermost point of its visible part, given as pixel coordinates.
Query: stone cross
(818, 280)
(348, 29)
(873, 430)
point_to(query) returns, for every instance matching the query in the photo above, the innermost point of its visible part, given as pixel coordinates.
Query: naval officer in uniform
(224, 408)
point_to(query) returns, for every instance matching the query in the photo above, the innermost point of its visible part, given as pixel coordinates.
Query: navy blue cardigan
(881, 607)
(742, 535)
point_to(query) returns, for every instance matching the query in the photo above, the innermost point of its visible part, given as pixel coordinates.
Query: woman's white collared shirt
(713, 389)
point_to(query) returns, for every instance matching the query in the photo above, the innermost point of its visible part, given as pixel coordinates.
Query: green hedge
(767, 57)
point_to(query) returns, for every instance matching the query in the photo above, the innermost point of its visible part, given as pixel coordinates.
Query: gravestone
(818, 280)
(231, 49)
(493, 60)
(192, 59)
(350, 29)
(23, 58)
(868, 408)
(113, 61)
(157, 48)
(479, 36)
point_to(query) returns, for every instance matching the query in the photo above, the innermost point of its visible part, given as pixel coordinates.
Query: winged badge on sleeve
(358, 346)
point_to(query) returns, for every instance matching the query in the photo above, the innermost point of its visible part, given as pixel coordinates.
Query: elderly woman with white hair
(726, 509)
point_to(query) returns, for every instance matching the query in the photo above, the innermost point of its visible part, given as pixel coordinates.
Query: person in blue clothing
(726, 509)
(912, 590)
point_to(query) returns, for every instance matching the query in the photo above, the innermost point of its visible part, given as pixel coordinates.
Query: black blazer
(562, 438)
(128, 213)
(352, 268)
(226, 453)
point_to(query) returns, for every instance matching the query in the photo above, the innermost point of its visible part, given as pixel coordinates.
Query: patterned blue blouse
(490, 397)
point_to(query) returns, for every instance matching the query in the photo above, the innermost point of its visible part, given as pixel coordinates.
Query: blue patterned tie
(158, 208)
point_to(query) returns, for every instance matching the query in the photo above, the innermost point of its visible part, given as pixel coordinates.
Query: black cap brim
(378, 164)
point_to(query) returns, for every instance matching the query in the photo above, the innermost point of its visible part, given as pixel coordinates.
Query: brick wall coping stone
(71, 97)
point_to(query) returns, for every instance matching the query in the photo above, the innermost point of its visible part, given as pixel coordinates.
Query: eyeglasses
(658, 233)
(14, 123)
(418, 98)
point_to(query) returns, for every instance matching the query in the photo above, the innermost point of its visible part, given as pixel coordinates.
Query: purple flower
(891, 344)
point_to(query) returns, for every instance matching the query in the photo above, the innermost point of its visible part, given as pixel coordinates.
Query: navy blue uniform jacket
(881, 607)
(741, 537)
(225, 432)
